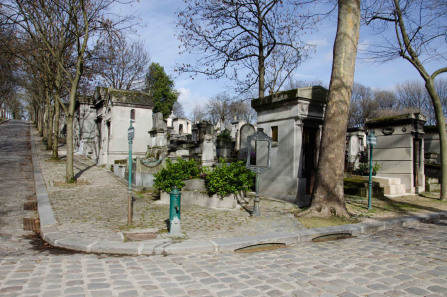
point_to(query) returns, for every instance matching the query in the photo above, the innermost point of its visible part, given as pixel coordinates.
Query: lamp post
(371, 140)
(130, 136)
(258, 138)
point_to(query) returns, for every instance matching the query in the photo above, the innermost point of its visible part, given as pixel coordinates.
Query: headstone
(208, 150)
(245, 131)
(159, 136)
(158, 122)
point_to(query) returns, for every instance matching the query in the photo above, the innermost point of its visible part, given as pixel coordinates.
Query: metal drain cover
(260, 247)
(334, 236)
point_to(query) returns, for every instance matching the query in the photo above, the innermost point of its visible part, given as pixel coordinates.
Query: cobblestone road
(408, 261)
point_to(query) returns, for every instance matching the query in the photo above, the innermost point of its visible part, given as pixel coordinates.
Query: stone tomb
(400, 149)
(293, 119)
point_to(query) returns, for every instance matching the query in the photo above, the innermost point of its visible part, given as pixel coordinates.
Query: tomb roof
(314, 93)
(395, 120)
(128, 97)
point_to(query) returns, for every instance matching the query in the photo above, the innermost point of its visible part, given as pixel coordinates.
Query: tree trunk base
(325, 211)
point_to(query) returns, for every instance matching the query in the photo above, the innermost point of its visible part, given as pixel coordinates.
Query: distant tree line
(407, 97)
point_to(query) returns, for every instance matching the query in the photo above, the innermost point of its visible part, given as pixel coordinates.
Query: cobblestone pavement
(16, 184)
(97, 206)
(409, 261)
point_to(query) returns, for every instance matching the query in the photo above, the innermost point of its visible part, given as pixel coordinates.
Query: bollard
(174, 211)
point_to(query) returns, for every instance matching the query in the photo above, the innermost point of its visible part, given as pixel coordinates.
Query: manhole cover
(31, 224)
(30, 205)
(260, 247)
(329, 237)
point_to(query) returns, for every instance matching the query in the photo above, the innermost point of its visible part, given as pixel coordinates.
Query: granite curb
(51, 234)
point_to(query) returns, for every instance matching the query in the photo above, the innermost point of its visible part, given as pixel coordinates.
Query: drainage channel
(260, 247)
(331, 237)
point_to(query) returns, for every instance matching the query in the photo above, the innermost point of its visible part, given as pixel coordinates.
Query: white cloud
(363, 45)
(190, 99)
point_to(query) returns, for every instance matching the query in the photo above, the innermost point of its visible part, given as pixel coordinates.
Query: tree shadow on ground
(404, 207)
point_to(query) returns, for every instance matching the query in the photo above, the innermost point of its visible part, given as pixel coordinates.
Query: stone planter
(119, 169)
(194, 192)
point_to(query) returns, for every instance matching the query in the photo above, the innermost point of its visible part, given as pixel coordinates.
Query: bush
(174, 173)
(224, 136)
(227, 179)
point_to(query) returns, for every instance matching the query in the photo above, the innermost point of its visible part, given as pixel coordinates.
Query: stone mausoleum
(294, 120)
(400, 149)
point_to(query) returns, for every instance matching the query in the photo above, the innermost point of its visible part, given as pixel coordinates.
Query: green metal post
(370, 175)
(256, 201)
(130, 136)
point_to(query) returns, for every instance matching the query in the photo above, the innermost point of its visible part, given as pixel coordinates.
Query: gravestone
(208, 150)
(245, 131)
(159, 135)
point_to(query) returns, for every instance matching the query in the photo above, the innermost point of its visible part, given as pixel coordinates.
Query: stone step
(386, 180)
(395, 189)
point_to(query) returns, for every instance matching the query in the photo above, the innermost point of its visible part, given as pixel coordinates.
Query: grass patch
(326, 222)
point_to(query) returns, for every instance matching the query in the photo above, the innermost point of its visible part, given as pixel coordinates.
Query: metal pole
(129, 194)
(370, 175)
(256, 202)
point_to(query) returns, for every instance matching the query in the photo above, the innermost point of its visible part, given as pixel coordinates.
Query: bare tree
(417, 34)
(219, 108)
(362, 105)
(178, 110)
(73, 22)
(120, 64)
(239, 39)
(328, 195)
(8, 63)
(198, 113)
(413, 96)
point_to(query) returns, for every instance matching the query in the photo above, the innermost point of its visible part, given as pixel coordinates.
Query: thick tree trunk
(440, 119)
(69, 173)
(57, 114)
(328, 195)
(47, 118)
(41, 121)
(50, 128)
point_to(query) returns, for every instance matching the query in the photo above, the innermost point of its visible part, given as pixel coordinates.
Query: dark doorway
(416, 162)
(309, 157)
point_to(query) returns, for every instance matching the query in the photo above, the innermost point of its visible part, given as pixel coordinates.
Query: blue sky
(158, 17)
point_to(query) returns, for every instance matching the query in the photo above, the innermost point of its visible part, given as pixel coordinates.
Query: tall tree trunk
(47, 117)
(440, 119)
(41, 121)
(69, 173)
(57, 114)
(328, 197)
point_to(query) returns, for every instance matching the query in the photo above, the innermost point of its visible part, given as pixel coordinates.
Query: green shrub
(175, 173)
(227, 179)
(225, 136)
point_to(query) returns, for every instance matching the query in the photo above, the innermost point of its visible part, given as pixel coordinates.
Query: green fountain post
(130, 136)
(371, 140)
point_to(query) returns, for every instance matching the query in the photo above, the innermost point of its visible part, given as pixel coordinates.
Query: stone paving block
(113, 247)
(371, 227)
(75, 243)
(189, 246)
